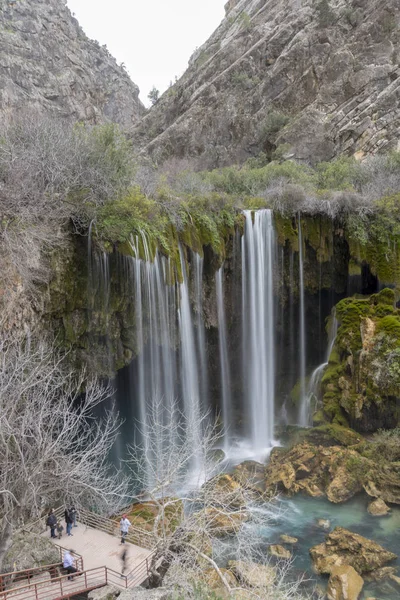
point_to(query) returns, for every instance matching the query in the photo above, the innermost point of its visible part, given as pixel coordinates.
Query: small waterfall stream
(224, 363)
(302, 323)
(314, 384)
(198, 263)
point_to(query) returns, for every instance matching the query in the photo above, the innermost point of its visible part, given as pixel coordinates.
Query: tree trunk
(5, 541)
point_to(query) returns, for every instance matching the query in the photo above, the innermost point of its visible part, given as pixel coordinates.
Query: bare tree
(51, 173)
(52, 447)
(196, 509)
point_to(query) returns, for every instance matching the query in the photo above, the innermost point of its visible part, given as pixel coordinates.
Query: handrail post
(36, 596)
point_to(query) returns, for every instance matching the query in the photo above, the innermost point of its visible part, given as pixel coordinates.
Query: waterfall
(197, 262)
(189, 367)
(258, 260)
(224, 363)
(302, 319)
(155, 370)
(314, 385)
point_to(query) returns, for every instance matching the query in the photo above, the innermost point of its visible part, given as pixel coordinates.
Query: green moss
(375, 239)
(349, 313)
(295, 394)
(390, 325)
(319, 418)
(343, 435)
(333, 410)
(385, 297)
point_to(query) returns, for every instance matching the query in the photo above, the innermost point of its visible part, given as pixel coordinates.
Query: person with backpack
(51, 522)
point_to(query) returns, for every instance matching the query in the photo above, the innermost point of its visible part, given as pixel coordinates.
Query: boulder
(279, 551)
(343, 485)
(378, 508)
(226, 490)
(380, 574)
(251, 475)
(288, 539)
(223, 523)
(343, 547)
(105, 593)
(215, 584)
(29, 550)
(139, 593)
(324, 524)
(395, 578)
(252, 574)
(344, 584)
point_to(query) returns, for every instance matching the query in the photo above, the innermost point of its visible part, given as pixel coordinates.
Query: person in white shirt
(68, 563)
(124, 525)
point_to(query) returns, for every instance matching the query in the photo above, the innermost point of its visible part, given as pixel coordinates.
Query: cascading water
(258, 262)
(198, 262)
(302, 322)
(313, 390)
(224, 363)
(189, 367)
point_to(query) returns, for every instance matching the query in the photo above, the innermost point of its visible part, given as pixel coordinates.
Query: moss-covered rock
(343, 547)
(361, 384)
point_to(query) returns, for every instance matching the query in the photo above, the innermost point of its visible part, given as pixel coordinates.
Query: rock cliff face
(47, 62)
(310, 79)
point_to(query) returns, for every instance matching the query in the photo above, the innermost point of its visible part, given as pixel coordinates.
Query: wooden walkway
(100, 549)
(99, 564)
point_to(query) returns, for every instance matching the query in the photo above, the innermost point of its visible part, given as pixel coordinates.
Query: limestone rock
(105, 593)
(214, 582)
(138, 593)
(343, 547)
(315, 470)
(378, 508)
(226, 489)
(336, 472)
(380, 574)
(252, 574)
(224, 523)
(324, 523)
(29, 550)
(251, 475)
(48, 63)
(318, 83)
(344, 584)
(395, 578)
(384, 484)
(279, 551)
(288, 539)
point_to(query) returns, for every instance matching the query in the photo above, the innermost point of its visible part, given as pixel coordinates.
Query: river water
(298, 516)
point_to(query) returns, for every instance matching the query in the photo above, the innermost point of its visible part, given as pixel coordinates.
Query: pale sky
(154, 38)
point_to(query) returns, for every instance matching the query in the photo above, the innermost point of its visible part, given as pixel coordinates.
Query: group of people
(70, 521)
(56, 525)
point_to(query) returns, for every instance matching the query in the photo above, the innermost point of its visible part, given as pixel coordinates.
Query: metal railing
(65, 586)
(60, 587)
(137, 536)
(24, 577)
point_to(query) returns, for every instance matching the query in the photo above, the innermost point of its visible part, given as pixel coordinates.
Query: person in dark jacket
(51, 521)
(68, 520)
(72, 511)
